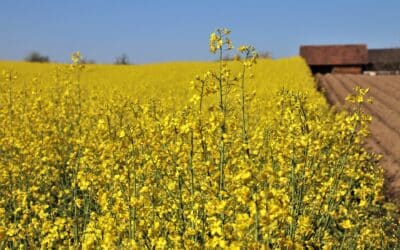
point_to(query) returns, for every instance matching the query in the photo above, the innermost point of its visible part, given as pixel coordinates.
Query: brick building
(349, 58)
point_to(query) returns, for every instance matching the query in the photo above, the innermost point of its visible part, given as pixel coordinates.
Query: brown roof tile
(350, 54)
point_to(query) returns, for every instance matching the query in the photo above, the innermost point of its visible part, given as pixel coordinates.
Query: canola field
(185, 155)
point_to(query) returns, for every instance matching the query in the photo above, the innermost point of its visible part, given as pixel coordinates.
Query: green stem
(244, 129)
(222, 143)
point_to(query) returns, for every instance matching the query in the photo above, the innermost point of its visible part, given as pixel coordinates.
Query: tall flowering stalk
(219, 42)
(250, 55)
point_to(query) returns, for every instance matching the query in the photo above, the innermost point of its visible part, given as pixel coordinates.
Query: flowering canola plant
(238, 154)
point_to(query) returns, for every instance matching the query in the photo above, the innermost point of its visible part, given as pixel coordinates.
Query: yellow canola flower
(346, 224)
(121, 134)
(76, 57)
(130, 157)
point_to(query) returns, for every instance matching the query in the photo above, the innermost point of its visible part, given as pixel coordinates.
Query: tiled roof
(349, 54)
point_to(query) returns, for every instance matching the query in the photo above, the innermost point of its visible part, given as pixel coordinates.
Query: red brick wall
(346, 70)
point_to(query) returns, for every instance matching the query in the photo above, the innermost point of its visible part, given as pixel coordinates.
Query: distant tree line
(262, 55)
(88, 61)
(265, 54)
(122, 60)
(37, 57)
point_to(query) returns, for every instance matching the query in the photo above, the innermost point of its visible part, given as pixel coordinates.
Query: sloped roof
(384, 55)
(347, 54)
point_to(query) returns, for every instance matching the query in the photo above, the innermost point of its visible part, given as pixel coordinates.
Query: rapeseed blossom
(129, 157)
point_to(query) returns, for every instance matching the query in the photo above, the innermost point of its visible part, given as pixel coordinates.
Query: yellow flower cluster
(107, 157)
(219, 40)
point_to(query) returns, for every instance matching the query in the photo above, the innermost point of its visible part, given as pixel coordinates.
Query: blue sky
(171, 30)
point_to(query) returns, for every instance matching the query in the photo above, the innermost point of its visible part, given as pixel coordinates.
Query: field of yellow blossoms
(243, 154)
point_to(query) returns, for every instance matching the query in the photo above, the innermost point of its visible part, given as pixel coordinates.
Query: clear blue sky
(171, 30)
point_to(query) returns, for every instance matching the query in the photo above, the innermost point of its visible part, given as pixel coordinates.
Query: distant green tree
(88, 61)
(36, 57)
(122, 60)
(264, 54)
